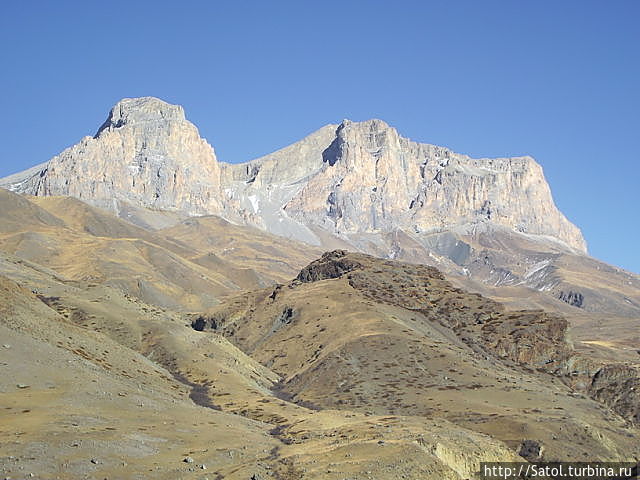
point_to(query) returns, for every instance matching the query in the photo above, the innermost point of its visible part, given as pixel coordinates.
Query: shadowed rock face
(357, 177)
(533, 338)
(331, 265)
(618, 386)
(572, 298)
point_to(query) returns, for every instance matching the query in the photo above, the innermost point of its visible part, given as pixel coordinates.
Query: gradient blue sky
(558, 80)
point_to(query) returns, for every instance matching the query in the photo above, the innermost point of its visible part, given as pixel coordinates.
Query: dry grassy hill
(185, 268)
(125, 350)
(102, 385)
(361, 334)
(79, 404)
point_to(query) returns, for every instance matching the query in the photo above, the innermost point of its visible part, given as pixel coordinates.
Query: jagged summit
(146, 154)
(373, 124)
(355, 178)
(141, 110)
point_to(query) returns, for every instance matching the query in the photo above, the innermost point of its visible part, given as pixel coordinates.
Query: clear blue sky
(559, 80)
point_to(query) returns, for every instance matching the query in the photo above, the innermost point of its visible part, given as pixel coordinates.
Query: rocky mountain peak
(145, 154)
(374, 180)
(135, 111)
(373, 134)
(373, 125)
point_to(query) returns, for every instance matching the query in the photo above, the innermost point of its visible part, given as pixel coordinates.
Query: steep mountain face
(146, 154)
(375, 180)
(357, 177)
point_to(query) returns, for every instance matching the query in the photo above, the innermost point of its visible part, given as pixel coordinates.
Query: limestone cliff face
(375, 180)
(352, 178)
(146, 154)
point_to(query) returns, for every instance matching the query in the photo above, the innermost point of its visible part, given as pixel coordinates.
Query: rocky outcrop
(575, 299)
(618, 386)
(354, 178)
(330, 265)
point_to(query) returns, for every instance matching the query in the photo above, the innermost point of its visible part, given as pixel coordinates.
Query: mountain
(358, 185)
(356, 177)
(85, 393)
(146, 153)
(443, 352)
(161, 317)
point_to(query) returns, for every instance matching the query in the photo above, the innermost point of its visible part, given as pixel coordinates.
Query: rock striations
(375, 180)
(354, 178)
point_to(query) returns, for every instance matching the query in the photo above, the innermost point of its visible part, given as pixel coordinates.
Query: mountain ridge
(147, 153)
(490, 224)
